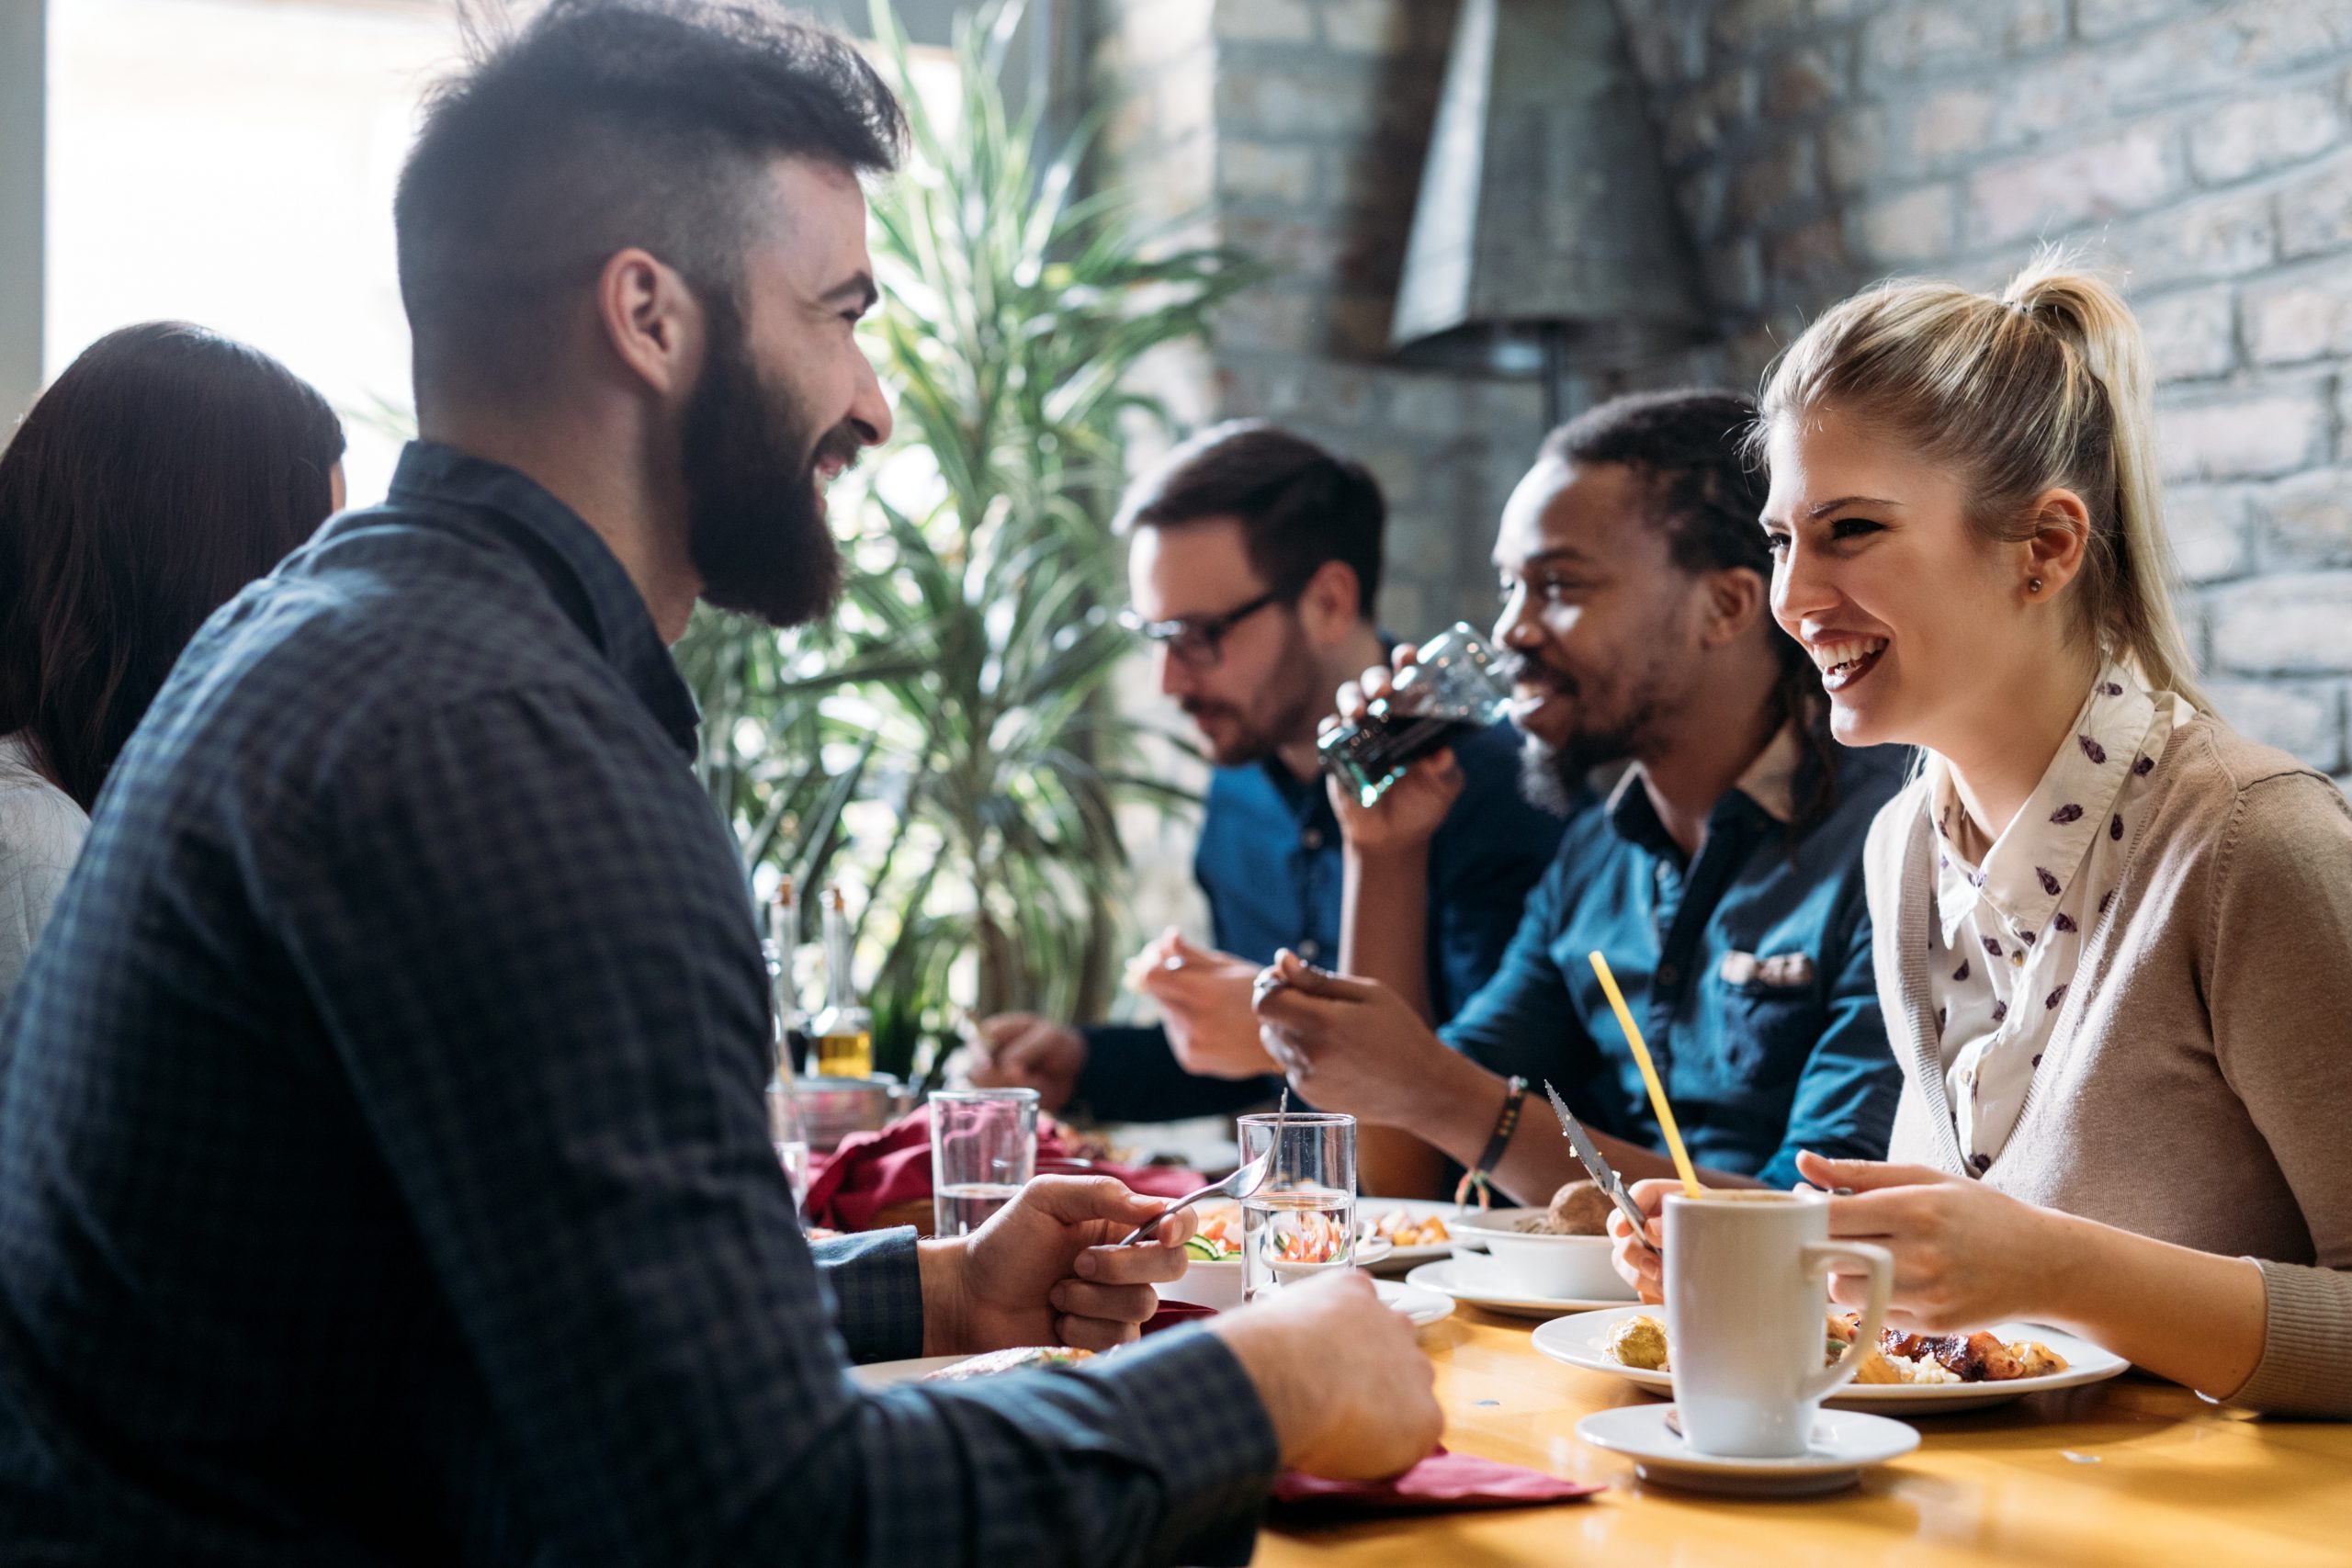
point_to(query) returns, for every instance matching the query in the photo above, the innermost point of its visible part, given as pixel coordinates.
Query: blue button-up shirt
(1748, 969)
(384, 1171)
(1270, 861)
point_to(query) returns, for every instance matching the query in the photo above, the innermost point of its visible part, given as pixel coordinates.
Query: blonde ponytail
(2046, 386)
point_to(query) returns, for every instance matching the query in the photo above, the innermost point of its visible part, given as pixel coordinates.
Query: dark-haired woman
(168, 467)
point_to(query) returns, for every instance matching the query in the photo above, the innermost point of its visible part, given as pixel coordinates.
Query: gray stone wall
(2197, 150)
(1294, 128)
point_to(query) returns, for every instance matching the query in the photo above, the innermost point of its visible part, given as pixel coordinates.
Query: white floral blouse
(2012, 930)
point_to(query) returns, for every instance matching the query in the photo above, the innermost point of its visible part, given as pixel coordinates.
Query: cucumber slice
(1202, 1247)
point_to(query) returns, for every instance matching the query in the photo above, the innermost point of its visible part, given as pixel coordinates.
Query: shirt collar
(1770, 781)
(2029, 869)
(582, 572)
(1769, 784)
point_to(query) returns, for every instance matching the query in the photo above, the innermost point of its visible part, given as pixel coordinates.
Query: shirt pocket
(1770, 1018)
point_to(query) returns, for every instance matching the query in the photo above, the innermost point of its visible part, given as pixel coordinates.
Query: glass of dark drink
(1452, 690)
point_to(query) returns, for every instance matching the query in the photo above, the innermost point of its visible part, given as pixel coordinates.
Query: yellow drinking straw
(1649, 1077)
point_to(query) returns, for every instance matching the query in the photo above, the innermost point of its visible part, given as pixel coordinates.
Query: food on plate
(1639, 1342)
(1306, 1235)
(1919, 1359)
(1951, 1358)
(1220, 1238)
(996, 1361)
(1401, 1229)
(1580, 1208)
(1292, 1235)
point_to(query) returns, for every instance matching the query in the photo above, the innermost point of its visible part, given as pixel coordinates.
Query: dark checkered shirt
(384, 1175)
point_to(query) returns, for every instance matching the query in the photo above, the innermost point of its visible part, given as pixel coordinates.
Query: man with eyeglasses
(1254, 564)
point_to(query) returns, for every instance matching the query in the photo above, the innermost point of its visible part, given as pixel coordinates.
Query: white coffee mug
(1746, 1303)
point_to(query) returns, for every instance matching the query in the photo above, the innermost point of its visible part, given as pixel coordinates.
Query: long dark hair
(168, 467)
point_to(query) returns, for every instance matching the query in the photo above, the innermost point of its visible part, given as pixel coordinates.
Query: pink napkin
(1444, 1482)
(874, 1171)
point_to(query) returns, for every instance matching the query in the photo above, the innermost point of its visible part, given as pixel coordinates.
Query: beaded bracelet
(1475, 1178)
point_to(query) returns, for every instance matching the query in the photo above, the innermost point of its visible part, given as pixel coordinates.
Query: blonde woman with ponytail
(2114, 937)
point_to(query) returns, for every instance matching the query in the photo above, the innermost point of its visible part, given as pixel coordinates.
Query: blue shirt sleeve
(1524, 1019)
(535, 959)
(1132, 1074)
(1844, 1105)
(1486, 860)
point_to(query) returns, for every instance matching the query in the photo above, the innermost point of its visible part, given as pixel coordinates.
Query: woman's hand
(1644, 1268)
(1965, 1256)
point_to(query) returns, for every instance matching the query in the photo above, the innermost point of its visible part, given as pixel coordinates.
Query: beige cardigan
(2197, 1087)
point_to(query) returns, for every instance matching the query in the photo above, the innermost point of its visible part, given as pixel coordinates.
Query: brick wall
(2200, 149)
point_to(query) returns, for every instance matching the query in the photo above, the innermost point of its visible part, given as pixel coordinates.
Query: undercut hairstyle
(1298, 505)
(602, 125)
(1706, 493)
(167, 467)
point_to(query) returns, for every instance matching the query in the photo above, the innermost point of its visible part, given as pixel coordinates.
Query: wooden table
(2128, 1473)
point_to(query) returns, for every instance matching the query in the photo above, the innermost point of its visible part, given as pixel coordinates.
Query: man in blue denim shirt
(1255, 563)
(1723, 879)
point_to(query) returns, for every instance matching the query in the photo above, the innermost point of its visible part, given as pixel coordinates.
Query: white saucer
(1844, 1441)
(1477, 1279)
(1419, 1306)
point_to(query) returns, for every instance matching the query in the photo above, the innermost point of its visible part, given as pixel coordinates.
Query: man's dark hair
(1298, 504)
(601, 125)
(1688, 447)
(167, 467)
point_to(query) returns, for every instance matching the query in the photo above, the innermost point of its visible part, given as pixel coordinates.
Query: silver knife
(1608, 1181)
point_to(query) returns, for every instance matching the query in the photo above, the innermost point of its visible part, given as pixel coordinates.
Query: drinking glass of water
(983, 1150)
(1303, 1218)
(786, 1130)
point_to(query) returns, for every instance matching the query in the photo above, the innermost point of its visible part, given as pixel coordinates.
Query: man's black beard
(1556, 780)
(755, 530)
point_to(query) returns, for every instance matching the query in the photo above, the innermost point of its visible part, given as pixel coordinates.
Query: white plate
(888, 1375)
(1371, 1209)
(1843, 1442)
(1480, 1281)
(1218, 1285)
(1581, 1341)
(1422, 1307)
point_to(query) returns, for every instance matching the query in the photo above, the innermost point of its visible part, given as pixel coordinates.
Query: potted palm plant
(946, 746)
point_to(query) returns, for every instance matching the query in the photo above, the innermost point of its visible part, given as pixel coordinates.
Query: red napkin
(1171, 1314)
(1444, 1482)
(874, 1171)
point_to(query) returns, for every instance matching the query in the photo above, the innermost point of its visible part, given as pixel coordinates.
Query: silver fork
(1240, 1184)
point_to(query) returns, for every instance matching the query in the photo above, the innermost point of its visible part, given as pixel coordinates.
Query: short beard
(1553, 779)
(1304, 704)
(755, 530)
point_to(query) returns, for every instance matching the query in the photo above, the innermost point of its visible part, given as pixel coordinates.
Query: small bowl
(831, 1108)
(1207, 1284)
(1566, 1268)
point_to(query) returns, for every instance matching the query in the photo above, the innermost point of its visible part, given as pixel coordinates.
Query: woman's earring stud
(2033, 586)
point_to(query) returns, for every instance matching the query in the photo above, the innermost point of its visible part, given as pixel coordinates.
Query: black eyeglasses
(1198, 641)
